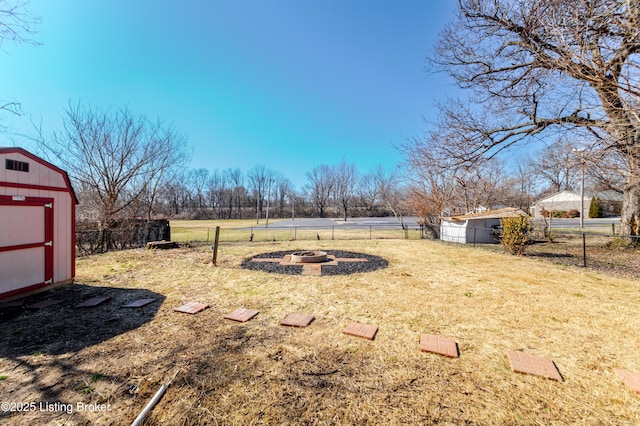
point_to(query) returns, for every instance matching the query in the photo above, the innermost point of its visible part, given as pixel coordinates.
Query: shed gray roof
(489, 214)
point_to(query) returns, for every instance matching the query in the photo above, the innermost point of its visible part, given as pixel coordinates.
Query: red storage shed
(37, 224)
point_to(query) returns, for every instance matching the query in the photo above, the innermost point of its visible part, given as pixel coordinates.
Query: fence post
(208, 234)
(295, 233)
(613, 229)
(215, 246)
(332, 229)
(370, 236)
(474, 236)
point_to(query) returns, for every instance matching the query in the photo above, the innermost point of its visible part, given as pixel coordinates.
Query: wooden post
(214, 247)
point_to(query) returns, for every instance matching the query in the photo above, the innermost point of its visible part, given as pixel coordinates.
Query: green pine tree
(595, 209)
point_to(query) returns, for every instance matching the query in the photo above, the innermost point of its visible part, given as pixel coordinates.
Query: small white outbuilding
(37, 224)
(475, 227)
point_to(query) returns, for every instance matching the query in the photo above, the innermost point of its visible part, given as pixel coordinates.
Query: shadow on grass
(64, 327)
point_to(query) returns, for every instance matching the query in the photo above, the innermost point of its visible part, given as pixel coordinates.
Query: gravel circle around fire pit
(342, 268)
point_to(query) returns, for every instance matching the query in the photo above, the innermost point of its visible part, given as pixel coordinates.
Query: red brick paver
(241, 315)
(365, 331)
(312, 269)
(439, 345)
(192, 307)
(297, 320)
(629, 378)
(531, 364)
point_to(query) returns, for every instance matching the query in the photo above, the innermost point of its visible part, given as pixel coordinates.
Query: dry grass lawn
(262, 373)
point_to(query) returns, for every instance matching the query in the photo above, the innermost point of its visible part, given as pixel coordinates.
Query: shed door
(26, 244)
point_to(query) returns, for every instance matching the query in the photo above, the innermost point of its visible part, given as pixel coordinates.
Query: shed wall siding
(42, 182)
(62, 226)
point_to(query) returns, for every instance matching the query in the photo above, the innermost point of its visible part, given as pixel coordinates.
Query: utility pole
(268, 202)
(580, 153)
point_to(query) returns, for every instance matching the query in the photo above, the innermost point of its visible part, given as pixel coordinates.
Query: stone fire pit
(308, 257)
(314, 262)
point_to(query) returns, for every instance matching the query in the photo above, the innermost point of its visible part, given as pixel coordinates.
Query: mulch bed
(342, 268)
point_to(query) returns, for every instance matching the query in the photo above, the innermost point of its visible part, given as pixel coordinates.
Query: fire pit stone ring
(311, 256)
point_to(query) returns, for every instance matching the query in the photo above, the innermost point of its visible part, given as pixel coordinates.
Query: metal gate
(26, 243)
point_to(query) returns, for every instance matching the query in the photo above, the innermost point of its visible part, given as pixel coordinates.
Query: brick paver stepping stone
(531, 364)
(43, 304)
(365, 331)
(241, 314)
(297, 320)
(312, 270)
(93, 302)
(192, 307)
(138, 303)
(439, 345)
(629, 378)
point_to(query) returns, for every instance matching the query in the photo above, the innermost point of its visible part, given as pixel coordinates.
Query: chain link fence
(299, 233)
(136, 235)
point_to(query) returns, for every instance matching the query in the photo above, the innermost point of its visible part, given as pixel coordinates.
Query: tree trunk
(630, 215)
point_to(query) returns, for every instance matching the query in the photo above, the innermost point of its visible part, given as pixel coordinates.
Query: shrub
(515, 234)
(556, 214)
(570, 214)
(595, 209)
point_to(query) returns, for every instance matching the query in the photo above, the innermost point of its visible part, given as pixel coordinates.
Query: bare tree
(320, 187)
(432, 188)
(218, 194)
(367, 191)
(606, 172)
(197, 180)
(236, 180)
(116, 156)
(345, 177)
(521, 186)
(282, 190)
(558, 165)
(17, 25)
(539, 65)
(261, 180)
(390, 194)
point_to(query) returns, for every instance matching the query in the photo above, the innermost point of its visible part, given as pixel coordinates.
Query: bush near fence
(123, 235)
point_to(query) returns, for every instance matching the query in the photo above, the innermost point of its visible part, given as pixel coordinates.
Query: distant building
(568, 200)
(475, 227)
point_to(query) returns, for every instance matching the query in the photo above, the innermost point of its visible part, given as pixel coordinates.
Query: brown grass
(261, 373)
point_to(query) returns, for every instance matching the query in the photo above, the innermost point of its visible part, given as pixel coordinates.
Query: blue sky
(289, 84)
